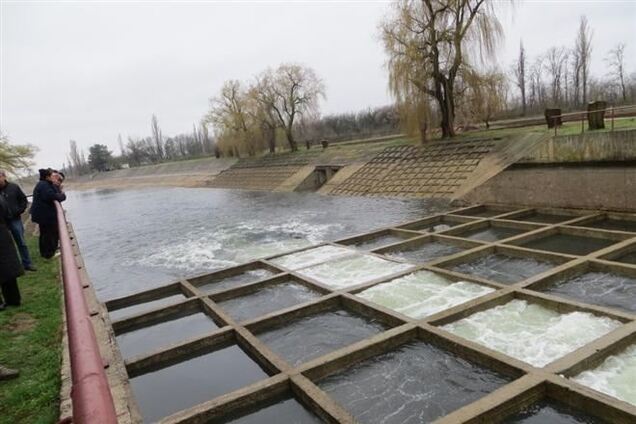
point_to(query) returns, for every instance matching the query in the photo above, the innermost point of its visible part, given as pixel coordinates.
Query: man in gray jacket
(17, 204)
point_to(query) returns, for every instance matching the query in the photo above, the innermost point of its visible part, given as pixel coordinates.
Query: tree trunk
(447, 108)
(271, 139)
(290, 139)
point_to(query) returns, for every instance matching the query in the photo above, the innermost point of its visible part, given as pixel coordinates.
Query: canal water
(134, 240)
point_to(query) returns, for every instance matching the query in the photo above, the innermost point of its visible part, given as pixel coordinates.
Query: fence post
(612, 118)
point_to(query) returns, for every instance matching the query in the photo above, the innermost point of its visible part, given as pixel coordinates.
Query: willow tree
(428, 44)
(15, 159)
(289, 92)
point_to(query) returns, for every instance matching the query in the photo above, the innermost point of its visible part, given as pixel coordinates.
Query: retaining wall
(617, 145)
(586, 187)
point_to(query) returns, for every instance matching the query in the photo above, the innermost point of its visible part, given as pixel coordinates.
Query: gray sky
(91, 70)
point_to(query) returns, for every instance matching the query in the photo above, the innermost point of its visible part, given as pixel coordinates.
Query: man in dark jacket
(10, 266)
(44, 214)
(17, 204)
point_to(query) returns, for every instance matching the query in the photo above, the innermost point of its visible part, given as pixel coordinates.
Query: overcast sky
(89, 71)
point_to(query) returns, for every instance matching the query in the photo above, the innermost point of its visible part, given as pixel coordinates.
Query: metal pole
(92, 400)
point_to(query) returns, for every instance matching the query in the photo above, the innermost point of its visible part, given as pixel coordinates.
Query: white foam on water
(616, 376)
(530, 332)
(311, 256)
(208, 249)
(423, 293)
(354, 270)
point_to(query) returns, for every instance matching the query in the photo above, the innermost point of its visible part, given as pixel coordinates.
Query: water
(414, 384)
(133, 240)
(268, 299)
(530, 332)
(316, 335)
(612, 224)
(148, 339)
(171, 389)
(378, 242)
(423, 293)
(311, 256)
(550, 412)
(424, 253)
(544, 218)
(502, 268)
(216, 285)
(349, 272)
(628, 258)
(599, 288)
(129, 311)
(569, 244)
(288, 411)
(491, 234)
(615, 376)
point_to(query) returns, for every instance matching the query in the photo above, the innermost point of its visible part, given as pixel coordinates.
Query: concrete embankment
(190, 173)
(591, 170)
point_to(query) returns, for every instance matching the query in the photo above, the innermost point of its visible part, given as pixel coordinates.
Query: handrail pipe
(90, 392)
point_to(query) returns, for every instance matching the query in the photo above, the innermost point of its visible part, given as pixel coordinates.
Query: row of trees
(249, 116)
(439, 53)
(561, 77)
(142, 150)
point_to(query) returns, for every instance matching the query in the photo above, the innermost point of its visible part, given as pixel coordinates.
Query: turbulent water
(352, 271)
(133, 240)
(311, 256)
(616, 376)
(531, 332)
(423, 293)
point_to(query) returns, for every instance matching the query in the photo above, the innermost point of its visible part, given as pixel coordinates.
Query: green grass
(30, 340)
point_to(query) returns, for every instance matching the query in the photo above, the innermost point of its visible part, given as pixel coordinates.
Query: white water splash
(423, 293)
(311, 256)
(616, 376)
(353, 270)
(531, 332)
(209, 249)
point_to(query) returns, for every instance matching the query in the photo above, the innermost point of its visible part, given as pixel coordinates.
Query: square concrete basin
(531, 332)
(140, 308)
(286, 410)
(315, 335)
(503, 268)
(569, 244)
(188, 383)
(414, 383)
(550, 412)
(598, 288)
(268, 299)
(148, 339)
(312, 256)
(423, 293)
(234, 281)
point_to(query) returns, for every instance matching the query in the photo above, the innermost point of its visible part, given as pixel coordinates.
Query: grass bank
(30, 340)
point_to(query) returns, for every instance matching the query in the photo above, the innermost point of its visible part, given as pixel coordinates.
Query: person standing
(17, 204)
(44, 214)
(10, 266)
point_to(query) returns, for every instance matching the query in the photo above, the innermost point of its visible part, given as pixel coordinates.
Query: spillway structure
(483, 314)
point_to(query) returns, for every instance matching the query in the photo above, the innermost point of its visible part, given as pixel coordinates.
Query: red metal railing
(92, 400)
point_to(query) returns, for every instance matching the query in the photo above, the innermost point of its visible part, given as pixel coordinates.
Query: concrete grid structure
(513, 230)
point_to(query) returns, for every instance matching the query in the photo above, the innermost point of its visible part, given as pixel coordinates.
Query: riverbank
(31, 338)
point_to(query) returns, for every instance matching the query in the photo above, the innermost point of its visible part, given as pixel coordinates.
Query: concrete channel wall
(617, 145)
(590, 170)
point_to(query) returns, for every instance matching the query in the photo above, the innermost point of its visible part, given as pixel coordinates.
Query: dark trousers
(17, 231)
(10, 292)
(49, 239)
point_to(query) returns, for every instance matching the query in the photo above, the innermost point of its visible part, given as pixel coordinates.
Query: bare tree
(520, 76)
(290, 91)
(583, 48)
(157, 137)
(556, 57)
(486, 95)
(616, 61)
(427, 43)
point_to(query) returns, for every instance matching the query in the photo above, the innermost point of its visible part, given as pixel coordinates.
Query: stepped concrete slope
(439, 169)
(190, 173)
